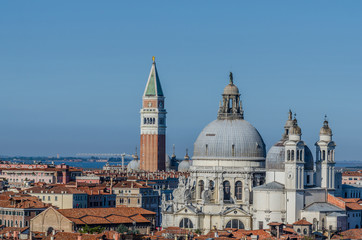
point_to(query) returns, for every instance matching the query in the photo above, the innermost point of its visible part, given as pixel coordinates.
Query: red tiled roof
(349, 234)
(13, 229)
(240, 233)
(173, 230)
(57, 188)
(108, 235)
(275, 224)
(130, 184)
(21, 201)
(348, 200)
(302, 222)
(353, 206)
(101, 216)
(289, 230)
(352, 173)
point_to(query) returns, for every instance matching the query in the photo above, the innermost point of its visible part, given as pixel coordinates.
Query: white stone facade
(233, 184)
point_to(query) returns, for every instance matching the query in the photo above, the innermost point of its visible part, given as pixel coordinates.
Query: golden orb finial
(153, 58)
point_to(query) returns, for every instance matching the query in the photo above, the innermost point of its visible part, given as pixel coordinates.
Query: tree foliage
(91, 230)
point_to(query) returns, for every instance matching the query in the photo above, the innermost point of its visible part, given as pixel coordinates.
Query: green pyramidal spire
(153, 87)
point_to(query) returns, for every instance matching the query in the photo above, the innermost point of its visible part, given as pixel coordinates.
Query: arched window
(323, 224)
(288, 153)
(235, 223)
(206, 149)
(233, 150)
(297, 154)
(323, 155)
(332, 155)
(315, 224)
(292, 155)
(305, 231)
(201, 188)
(186, 223)
(298, 230)
(153, 120)
(226, 190)
(193, 193)
(212, 188)
(144, 120)
(239, 190)
(329, 155)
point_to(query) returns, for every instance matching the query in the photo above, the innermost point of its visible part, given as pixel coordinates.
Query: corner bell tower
(325, 158)
(153, 125)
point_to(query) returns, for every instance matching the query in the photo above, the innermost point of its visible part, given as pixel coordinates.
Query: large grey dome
(229, 139)
(276, 157)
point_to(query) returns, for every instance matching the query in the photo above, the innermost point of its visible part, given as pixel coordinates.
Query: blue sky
(72, 73)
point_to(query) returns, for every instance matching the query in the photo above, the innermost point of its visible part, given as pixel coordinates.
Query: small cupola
(230, 106)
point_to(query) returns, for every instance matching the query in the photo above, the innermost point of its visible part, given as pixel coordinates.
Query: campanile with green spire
(153, 125)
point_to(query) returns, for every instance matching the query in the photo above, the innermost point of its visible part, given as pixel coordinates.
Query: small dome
(133, 165)
(325, 130)
(184, 166)
(276, 157)
(231, 89)
(295, 129)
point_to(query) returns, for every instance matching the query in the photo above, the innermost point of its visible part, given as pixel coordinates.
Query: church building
(233, 183)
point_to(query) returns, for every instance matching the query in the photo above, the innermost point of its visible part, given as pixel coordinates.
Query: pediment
(187, 210)
(235, 211)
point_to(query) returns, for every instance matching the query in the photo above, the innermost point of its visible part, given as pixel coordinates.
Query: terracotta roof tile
(302, 222)
(59, 188)
(349, 234)
(353, 206)
(106, 215)
(108, 235)
(275, 224)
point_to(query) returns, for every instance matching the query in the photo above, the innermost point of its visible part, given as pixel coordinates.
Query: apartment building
(17, 209)
(60, 196)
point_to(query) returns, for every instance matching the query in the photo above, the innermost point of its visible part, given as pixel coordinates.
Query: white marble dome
(184, 166)
(229, 139)
(133, 165)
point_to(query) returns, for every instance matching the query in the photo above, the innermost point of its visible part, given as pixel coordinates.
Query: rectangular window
(261, 225)
(56, 198)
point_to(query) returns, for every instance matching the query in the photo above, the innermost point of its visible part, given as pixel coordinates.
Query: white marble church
(233, 183)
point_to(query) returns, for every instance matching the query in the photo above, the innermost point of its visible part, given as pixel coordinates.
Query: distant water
(99, 165)
(349, 164)
(85, 165)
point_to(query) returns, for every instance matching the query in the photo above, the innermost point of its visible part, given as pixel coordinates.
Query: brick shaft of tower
(153, 125)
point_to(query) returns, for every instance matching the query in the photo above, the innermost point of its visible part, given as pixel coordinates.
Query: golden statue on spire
(153, 58)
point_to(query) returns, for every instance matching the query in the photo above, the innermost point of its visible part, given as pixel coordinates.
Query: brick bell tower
(153, 125)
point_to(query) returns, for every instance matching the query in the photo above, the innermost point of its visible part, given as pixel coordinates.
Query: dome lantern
(295, 131)
(230, 107)
(288, 125)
